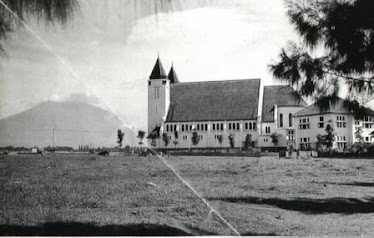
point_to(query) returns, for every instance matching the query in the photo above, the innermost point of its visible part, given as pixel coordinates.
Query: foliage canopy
(49, 10)
(344, 31)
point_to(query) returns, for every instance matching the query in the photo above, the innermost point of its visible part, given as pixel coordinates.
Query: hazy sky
(113, 45)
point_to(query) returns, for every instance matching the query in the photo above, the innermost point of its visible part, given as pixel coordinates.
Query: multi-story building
(311, 122)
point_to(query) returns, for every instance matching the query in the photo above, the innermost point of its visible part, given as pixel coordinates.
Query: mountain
(62, 123)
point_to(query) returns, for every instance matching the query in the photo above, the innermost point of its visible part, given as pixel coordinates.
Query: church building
(215, 110)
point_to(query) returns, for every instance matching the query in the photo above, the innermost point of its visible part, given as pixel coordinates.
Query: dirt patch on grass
(311, 206)
(87, 229)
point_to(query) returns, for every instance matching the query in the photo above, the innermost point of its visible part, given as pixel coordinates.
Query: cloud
(114, 47)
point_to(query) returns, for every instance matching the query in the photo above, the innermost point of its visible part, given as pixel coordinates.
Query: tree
(344, 30)
(358, 134)
(232, 140)
(248, 141)
(176, 136)
(49, 10)
(220, 139)
(140, 136)
(330, 136)
(153, 137)
(120, 136)
(275, 137)
(165, 138)
(195, 138)
(360, 145)
(320, 141)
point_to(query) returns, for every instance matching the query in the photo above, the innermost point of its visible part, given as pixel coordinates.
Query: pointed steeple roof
(158, 71)
(172, 75)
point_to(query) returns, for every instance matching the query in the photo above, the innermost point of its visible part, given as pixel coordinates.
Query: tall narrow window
(290, 119)
(281, 120)
(157, 92)
(267, 130)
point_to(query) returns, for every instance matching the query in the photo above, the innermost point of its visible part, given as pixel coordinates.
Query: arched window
(281, 120)
(290, 119)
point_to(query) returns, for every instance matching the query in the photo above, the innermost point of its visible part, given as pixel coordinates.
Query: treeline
(15, 148)
(81, 148)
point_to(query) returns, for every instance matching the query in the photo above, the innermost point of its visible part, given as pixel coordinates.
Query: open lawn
(67, 194)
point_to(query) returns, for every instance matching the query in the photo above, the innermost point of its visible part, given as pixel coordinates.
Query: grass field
(67, 194)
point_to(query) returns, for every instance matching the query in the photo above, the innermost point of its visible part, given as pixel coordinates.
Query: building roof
(158, 71)
(214, 100)
(282, 96)
(155, 133)
(173, 76)
(336, 107)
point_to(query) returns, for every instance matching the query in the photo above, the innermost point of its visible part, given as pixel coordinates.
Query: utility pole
(53, 138)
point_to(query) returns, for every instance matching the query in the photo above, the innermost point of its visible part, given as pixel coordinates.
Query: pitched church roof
(214, 100)
(280, 95)
(173, 76)
(158, 71)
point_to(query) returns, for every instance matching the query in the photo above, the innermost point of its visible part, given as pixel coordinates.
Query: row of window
(170, 128)
(305, 143)
(340, 118)
(304, 123)
(304, 139)
(235, 126)
(216, 126)
(342, 145)
(368, 119)
(341, 124)
(202, 126)
(250, 126)
(291, 135)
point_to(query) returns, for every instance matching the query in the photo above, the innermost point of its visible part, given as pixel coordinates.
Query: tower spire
(158, 71)
(172, 75)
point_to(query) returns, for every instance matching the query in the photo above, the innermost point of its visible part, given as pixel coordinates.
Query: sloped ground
(87, 195)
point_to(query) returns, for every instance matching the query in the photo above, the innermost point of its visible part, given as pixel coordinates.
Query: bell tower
(158, 96)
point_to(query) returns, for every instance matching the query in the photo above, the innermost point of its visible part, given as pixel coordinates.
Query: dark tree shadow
(199, 231)
(311, 206)
(87, 229)
(359, 184)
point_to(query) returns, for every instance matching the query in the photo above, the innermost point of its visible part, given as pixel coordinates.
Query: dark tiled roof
(214, 100)
(173, 76)
(281, 95)
(337, 107)
(334, 106)
(158, 71)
